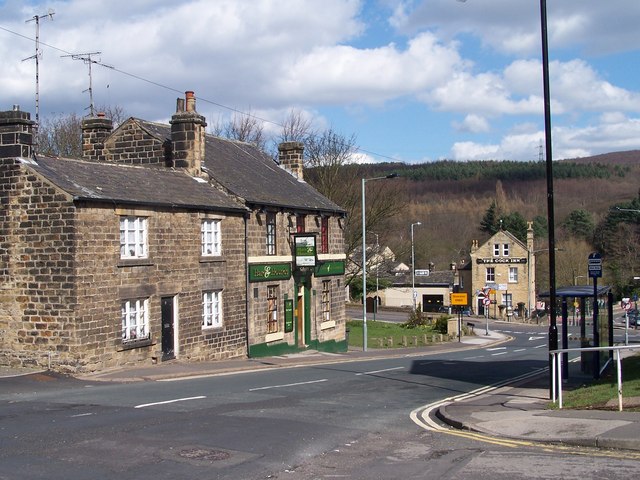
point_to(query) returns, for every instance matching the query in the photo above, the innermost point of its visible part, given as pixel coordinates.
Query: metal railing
(556, 370)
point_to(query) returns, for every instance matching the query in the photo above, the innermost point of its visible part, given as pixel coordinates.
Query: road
(338, 420)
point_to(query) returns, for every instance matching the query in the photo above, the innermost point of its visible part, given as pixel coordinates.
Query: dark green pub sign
(288, 316)
(326, 269)
(269, 272)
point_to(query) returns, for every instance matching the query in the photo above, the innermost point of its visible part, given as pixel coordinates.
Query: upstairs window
(505, 249)
(210, 230)
(496, 249)
(324, 235)
(513, 274)
(300, 219)
(133, 237)
(490, 275)
(271, 233)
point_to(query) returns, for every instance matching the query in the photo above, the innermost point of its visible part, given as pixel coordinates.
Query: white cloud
(473, 124)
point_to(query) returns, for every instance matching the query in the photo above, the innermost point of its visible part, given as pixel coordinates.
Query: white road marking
(380, 371)
(534, 338)
(519, 350)
(81, 415)
(540, 346)
(169, 401)
(287, 385)
(495, 348)
(496, 354)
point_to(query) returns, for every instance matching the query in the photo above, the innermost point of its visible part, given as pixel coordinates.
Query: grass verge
(597, 394)
(391, 335)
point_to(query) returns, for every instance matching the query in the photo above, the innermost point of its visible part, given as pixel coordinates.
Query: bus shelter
(600, 300)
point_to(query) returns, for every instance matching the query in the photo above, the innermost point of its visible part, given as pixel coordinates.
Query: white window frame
(133, 237)
(326, 300)
(210, 234)
(505, 249)
(513, 274)
(212, 309)
(273, 320)
(135, 320)
(490, 275)
(496, 249)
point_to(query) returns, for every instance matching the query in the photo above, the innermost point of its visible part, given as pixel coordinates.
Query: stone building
(501, 273)
(220, 219)
(106, 265)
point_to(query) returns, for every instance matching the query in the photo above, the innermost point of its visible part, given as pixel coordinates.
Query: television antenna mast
(88, 60)
(38, 54)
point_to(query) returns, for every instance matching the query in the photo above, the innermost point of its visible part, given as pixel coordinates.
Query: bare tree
(61, 136)
(330, 168)
(243, 128)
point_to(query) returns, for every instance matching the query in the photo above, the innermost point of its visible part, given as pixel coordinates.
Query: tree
(243, 128)
(516, 224)
(490, 222)
(579, 223)
(330, 168)
(61, 136)
(617, 237)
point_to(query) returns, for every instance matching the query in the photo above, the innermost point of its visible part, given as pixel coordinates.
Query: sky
(413, 80)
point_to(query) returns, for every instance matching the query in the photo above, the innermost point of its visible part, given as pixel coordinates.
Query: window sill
(274, 337)
(327, 325)
(211, 259)
(135, 262)
(132, 344)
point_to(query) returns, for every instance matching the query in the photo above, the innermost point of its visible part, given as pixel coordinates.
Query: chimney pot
(190, 100)
(16, 107)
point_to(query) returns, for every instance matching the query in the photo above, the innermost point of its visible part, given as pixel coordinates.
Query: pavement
(519, 411)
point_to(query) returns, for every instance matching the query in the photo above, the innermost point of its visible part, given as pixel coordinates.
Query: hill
(450, 198)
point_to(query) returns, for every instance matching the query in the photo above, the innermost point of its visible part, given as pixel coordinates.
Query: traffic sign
(594, 265)
(486, 301)
(458, 299)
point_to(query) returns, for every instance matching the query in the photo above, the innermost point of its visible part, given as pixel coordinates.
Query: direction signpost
(594, 266)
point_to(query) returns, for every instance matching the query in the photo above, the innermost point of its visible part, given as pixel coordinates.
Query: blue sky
(413, 80)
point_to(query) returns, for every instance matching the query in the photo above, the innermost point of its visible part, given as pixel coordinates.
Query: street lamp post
(553, 328)
(413, 268)
(364, 257)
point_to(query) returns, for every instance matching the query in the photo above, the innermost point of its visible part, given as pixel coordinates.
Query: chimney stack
(188, 135)
(16, 133)
(290, 156)
(95, 131)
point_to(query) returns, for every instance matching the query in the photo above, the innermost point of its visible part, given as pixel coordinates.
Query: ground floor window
(212, 309)
(326, 300)
(135, 319)
(272, 309)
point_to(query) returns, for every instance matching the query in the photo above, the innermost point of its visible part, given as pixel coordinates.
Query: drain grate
(205, 454)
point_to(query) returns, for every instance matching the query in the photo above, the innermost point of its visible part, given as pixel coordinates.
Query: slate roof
(246, 171)
(92, 181)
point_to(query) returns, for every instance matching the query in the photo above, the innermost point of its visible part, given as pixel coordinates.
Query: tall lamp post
(553, 328)
(413, 268)
(375, 309)
(364, 256)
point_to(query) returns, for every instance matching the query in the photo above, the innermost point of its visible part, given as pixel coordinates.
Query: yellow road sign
(459, 299)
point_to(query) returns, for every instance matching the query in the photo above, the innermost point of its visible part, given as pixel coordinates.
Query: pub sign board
(288, 316)
(305, 250)
(261, 272)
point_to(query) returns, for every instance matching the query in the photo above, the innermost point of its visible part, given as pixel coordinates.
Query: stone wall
(38, 289)
(174, 268)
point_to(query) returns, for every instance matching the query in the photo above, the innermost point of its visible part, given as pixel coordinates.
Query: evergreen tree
(490, 222)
